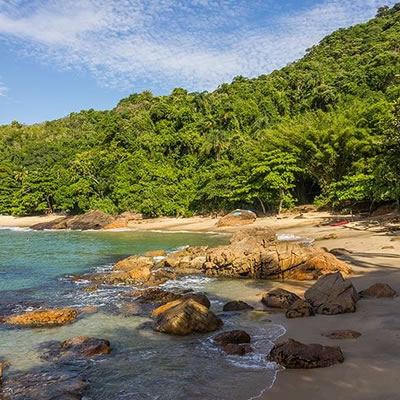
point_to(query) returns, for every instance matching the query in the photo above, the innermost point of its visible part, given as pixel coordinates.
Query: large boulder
(237, 217)
(134, 263)
(279, 298)
(379, 290)
(255, 253)
(154, 296)
(293, 354)
(91, 220)
(75, 348)
(332, 294)
(43, 318)
(185, 317)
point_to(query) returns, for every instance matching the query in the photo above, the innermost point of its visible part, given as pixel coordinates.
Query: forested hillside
(326, 128)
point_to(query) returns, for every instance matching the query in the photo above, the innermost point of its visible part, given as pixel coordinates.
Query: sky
(62, 56)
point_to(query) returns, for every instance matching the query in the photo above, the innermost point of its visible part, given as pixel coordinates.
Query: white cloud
(165, 43)
(3, 89)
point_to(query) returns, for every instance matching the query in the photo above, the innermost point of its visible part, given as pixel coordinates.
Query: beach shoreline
(370, 369)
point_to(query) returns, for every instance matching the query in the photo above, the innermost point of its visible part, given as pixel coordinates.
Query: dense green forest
(323, 129)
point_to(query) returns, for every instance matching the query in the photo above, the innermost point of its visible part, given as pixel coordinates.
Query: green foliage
(327, 125)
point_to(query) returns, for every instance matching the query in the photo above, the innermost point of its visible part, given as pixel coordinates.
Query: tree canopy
(324, 128)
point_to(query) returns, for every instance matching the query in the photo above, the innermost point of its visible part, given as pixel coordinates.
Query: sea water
(34, 272)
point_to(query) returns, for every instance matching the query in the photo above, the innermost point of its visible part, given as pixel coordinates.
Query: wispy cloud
(165, 43)
(3, 89)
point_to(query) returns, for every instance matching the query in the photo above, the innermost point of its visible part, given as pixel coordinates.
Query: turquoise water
(34, 270)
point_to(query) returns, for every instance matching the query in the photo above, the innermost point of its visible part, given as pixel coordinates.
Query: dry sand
(371, 370)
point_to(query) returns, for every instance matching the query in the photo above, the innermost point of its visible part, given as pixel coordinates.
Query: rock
(300, 308)
(134, 263)
(235, 337)
(88, 309)
(3, 365)
(185, 317)
(342, 334)
(237, 349)
(255, 253)
(199, 298)
(154, 296)
(237, 217)
(45, 384)
(279, 298)
(387, 247)
(43, 318)
(327, 237)
(75, 348)
(379, 290)
(253, 237)
(123, 220)
(188, 261)
(237, 306)
(91, 288)
(332, 294)
(293, 354)
(90, 220)
(156, 253)
(395, 239)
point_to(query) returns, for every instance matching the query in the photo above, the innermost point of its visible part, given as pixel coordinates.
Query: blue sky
(60, 56)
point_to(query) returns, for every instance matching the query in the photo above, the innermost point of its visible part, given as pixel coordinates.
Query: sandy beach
(372, 362)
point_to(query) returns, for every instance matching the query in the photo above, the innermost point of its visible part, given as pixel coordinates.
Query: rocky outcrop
(255, 253)
(237, 217)
(90, 220)
(237, 305)
(44, 384)
(43, 318)
(155, 253)
(342, 334)
(75, 348)
(332, 294)
(279, 298)
(185, 317)
(293, 354)
(379, 290)
(299, 309)
(123, 220)
(188, 261)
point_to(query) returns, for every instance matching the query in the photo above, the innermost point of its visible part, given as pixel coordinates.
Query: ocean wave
(15, 228)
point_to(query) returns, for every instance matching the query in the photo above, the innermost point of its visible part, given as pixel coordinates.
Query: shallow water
(144, 364)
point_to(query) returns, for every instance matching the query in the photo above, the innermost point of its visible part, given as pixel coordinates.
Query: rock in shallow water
(182, 317)
(237, 349)
(332, 294)
(293, 354)
(235, 337)
(237, 306)
(75, 348)
(44, 384)
(43, 318)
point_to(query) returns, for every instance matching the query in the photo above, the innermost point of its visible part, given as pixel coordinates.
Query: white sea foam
(289, 237)
(194, 282)
(15, 229)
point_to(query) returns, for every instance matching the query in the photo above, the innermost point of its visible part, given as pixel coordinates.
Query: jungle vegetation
(325, 129)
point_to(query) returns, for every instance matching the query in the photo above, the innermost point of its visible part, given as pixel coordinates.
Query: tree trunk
(262, 205)
(280, 201)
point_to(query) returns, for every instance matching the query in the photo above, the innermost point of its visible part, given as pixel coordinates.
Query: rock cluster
(234, 342)
(255, 253)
